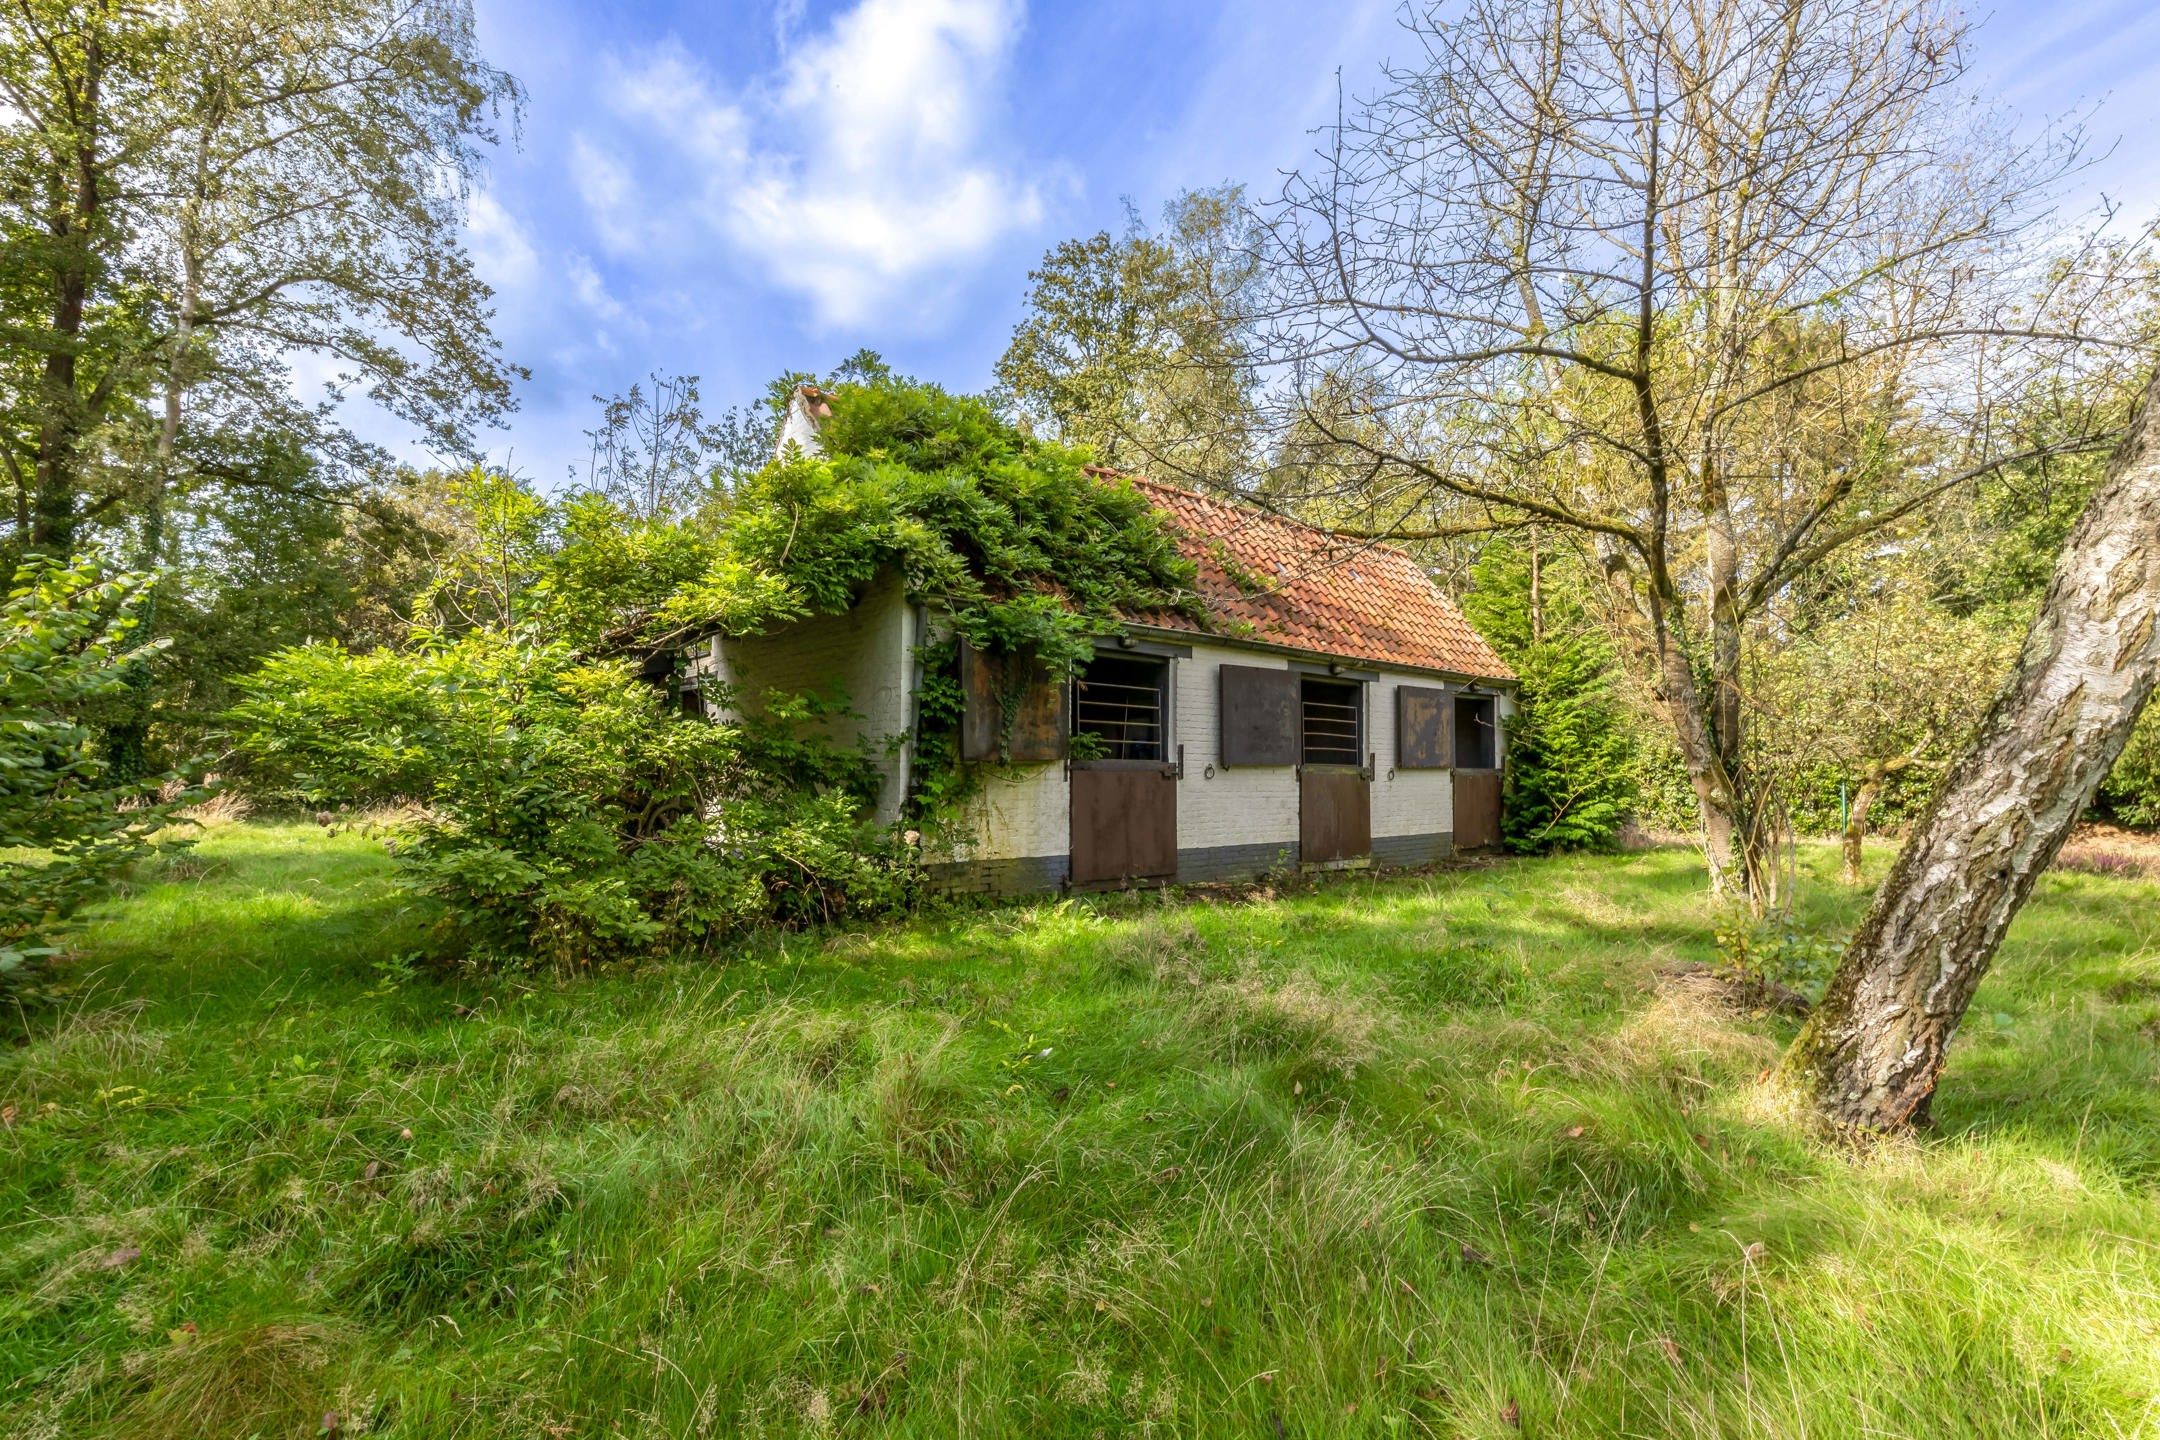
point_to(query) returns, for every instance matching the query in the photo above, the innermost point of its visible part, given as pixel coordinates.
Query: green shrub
(1571, 754)
(2131, 795)
(570, 816)
(66, 824)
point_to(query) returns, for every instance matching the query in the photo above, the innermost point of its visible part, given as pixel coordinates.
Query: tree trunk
(1648, 636)
(1856, 823)
(1707, 776)
(127, 740)
(1537, 592)
(75, 192)
(1756, 823)
(1873, 1049)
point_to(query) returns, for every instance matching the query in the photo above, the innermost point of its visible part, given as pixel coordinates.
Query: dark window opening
(1120, 705)
(1477, 733)
(1332, 713)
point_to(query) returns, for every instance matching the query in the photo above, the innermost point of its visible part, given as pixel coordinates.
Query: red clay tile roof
(1308, 590)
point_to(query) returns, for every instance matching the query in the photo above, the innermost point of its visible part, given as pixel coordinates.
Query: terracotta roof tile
(1305, 589)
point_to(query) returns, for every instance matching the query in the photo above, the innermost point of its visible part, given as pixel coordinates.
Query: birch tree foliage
(201, 195)
(1726, 290)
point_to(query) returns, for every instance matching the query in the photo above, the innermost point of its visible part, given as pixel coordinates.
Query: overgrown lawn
(1439, 1155)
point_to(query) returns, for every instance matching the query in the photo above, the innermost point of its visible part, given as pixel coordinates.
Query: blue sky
(733, 189)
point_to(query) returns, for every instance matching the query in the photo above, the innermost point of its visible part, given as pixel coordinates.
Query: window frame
(1165, 691)
(1477, 736)
(1359, 725)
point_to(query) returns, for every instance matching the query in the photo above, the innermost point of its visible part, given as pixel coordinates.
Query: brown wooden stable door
(1334, 795)
(1334, 815)
(1124, 821)
(1124, 793)
(1477, 809)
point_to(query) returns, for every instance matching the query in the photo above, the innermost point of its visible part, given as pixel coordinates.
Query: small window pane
(1333, 714)
(1119, 705)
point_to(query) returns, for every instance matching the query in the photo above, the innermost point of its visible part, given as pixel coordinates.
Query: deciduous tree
(1725, 289)
(1889, 684)
(1136, 345)
(200, 195)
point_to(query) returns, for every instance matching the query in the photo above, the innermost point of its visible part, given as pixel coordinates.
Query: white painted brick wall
(1404, 802)
(1027, 813)
(1243, 804)
(863, 655)
(1022, 811)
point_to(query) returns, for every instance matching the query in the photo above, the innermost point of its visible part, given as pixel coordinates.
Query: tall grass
(1464, 1154)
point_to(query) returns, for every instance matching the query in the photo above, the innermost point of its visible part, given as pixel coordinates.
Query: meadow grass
(1466, 1153)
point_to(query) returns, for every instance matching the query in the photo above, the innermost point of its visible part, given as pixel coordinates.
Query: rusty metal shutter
(1259, 716)
(1038, 731)
(1424, 728)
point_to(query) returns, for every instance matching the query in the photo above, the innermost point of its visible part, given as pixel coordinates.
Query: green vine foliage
(939, 785)
(1025, 554)
(1009, 536)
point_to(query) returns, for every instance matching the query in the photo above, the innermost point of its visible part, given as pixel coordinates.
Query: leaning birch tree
(1725, 290)
(1872, 1050)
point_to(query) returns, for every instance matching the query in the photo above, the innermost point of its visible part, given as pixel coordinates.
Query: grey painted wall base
(1235, 862)
(1032, 874)
(1023, 875)
(1410, 850)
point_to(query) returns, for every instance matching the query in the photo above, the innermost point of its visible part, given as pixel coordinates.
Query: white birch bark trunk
(1872, 1051)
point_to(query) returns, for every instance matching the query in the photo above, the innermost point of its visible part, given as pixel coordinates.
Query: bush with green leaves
(1572, 755)
(2131, 793)
(67, 825)
(567, 815)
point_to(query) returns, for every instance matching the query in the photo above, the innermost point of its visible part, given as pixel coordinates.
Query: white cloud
(611, 197)
(863, 174)
(592, 291)
(501, 250)
(786, 20)
(672, 95)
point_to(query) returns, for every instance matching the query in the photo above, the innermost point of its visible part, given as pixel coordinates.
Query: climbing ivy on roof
(1011, 536)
